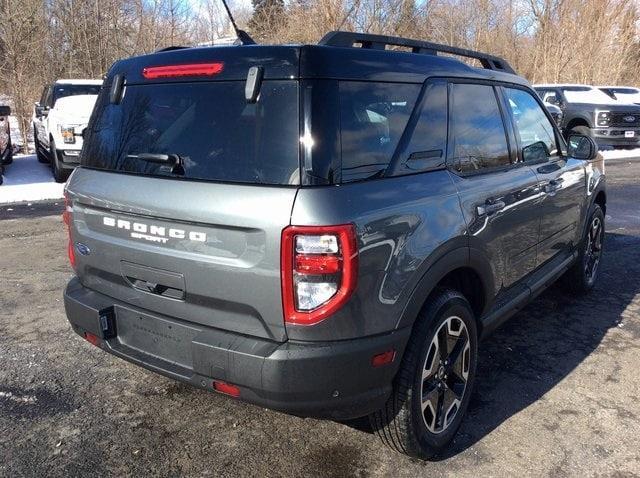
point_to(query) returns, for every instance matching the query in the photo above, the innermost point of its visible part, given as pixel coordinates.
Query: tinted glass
(478, 137)
(537, 138)
(429, 137)
(210, 126)
(62, 90)
(372, 119)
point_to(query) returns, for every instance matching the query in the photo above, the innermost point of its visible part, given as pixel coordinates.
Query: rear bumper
(332, 380)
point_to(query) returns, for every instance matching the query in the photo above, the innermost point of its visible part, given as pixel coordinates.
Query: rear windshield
(210, 127)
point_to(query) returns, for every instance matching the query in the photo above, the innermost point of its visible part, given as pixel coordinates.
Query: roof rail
(380, 42)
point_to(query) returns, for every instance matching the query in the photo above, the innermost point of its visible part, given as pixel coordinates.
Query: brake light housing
(182, 70)
(319, 271)
(67, 217)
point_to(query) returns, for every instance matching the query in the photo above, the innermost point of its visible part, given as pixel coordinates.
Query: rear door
(497, 194)
(197, 238)
(561, 179)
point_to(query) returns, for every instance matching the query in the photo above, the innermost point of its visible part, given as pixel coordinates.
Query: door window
(478, 137)
(536, 133)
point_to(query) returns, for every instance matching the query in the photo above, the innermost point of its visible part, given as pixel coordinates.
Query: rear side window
(210, 126)
(372, 119)
(478, 138)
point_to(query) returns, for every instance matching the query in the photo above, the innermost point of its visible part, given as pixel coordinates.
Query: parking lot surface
(558, 388)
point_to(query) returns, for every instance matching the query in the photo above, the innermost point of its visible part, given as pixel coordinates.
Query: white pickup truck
(58, 121)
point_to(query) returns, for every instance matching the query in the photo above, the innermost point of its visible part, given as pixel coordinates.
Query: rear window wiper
(175, 161)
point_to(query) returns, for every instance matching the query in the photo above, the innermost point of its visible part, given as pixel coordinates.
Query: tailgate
(206, 253)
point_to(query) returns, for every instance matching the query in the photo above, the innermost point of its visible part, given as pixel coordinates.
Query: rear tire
(583, 275)
(58, 173)
(433, 386)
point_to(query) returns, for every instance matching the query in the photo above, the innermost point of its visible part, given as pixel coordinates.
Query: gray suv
(326, 230)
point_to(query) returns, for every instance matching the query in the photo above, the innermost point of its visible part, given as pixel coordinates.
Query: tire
(58, 173)
(9, 158)
(403, 423)
(584, 130)
(41, 157)
(583, 275)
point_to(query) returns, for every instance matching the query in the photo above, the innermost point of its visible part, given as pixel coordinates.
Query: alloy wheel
(445, 374)
(593, 249)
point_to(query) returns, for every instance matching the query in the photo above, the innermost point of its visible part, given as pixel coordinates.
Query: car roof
(311, 62)
(78, 81)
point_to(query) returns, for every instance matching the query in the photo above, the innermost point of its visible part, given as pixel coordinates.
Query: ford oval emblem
(629, 119)
(83, 249)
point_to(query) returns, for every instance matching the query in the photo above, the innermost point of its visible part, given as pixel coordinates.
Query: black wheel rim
(445, 374)
(593, 249)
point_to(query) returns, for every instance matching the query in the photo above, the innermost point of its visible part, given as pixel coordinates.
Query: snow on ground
(27, 180)
(621, 153)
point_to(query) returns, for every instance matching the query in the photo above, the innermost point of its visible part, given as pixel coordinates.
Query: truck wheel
(433, 386)
(41, 157)
(585, 130)
(582, 276)
(58, 174)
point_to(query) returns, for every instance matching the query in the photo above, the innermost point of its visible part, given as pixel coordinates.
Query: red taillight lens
(67, 218)
(319, 271)
(175, 71)
(226, 388)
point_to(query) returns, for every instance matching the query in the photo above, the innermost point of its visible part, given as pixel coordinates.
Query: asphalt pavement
(558, 386)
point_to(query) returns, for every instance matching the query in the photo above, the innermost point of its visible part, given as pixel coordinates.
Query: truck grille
(621, 120)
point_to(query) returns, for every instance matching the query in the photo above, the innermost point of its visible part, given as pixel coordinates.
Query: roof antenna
(243, 36)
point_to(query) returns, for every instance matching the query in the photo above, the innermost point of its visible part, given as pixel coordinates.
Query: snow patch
(28, 180)
(30, 399)
(621, 153)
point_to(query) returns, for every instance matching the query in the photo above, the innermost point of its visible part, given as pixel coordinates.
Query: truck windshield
(586, 95)
(218, 135)
(64, 90)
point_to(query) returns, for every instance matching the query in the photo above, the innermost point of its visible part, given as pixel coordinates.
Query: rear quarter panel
(402, 224)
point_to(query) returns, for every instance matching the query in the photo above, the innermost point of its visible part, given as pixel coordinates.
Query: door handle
(554, 185)
(490, 207)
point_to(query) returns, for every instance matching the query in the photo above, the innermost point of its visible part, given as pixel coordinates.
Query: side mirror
(537, 151)
(582, 147)
(5, 110)
(39, 109)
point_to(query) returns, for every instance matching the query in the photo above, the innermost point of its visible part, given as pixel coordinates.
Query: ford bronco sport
(325, 230)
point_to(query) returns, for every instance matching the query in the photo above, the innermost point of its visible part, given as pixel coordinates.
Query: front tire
(583, 275)
(41, 157)
(434, 384)
(58, 173)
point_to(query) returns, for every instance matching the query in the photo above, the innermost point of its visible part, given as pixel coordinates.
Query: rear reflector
(92, 339)
(226, 388)
(384, 358)
(175, 71)
(67, 219)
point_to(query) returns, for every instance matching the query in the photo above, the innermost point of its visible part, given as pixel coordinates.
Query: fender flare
(439, 268)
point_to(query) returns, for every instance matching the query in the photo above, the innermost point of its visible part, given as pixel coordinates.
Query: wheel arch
(578, 121)
(463, 269)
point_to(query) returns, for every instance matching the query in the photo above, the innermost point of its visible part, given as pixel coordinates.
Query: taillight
(319, 271)
(67, 218)
(175, 71)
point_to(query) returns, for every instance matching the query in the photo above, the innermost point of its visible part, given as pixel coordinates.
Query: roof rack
(380, 42)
